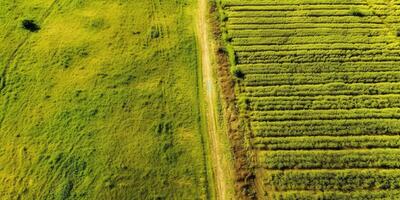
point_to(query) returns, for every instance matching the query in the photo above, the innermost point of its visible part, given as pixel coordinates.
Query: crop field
(99, 100)
(319, 87)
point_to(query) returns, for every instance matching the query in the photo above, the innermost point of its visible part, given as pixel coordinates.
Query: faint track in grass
(13, 56)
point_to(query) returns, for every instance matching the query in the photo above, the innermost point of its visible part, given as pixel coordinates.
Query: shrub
(224, 18)
(238, 73)
(30, 25)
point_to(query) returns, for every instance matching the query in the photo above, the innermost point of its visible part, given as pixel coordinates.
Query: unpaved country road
(210, 95)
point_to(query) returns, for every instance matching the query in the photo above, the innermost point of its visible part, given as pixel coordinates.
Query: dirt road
(210, 94)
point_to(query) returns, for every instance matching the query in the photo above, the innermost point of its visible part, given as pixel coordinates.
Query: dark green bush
(30, 25)
(238, 73)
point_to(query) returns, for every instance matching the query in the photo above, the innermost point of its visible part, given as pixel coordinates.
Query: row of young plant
(250, 30)
(317, 53)
(302, 7)
(340, 56)
(323, 78)
(230, 3)
(369, 19)
(351, 127)
(364, 9)
(330, 159)
(341, 180)
(301, 115)
(305, 11)
(335, 195)
(306, 32)
(294, 13)
(326, 142)
(298, 26)
(332, 89)
(316, 56)
(320, 103)
(293, 58)
(305, 19)
(355, 39)
(336, 48)
(287, 68)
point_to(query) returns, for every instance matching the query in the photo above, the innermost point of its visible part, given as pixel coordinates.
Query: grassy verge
(222, 129)
(232, 127)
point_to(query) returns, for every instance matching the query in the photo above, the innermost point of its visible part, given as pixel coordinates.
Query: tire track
(13, 56)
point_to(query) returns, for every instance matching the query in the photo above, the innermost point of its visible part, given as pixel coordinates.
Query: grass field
(319, 86)
(101, 102)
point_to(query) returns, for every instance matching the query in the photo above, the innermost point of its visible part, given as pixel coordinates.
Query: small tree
(30, 25)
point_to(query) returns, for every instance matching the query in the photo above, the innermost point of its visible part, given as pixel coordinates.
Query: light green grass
(101, 103)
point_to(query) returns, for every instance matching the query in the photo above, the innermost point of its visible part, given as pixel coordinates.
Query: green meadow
(101, 102)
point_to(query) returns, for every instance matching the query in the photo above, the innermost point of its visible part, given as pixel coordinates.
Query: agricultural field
(100, 100)
(319, 89)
